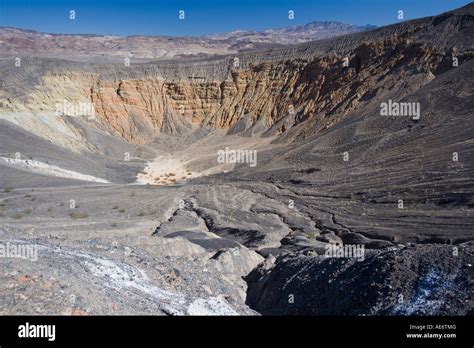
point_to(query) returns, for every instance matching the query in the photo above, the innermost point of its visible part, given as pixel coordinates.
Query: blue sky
(160, 17)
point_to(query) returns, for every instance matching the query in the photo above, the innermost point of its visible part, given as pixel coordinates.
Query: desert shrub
(74, 215)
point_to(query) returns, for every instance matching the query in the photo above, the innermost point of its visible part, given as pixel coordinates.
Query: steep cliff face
(320, 91)
(315, 85)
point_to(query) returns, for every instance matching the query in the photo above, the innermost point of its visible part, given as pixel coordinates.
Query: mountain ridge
(82, 46)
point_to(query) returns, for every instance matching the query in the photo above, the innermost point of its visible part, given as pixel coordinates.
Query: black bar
(290, 331)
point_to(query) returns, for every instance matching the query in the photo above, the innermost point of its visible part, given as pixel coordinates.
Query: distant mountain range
(14, 41)
(293, 34)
